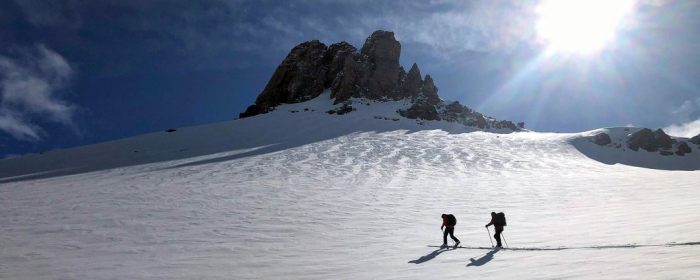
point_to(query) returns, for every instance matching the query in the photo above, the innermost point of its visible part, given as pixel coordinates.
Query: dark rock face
(695, 140)
(335, 59)
(421, 111)
(479, 121)
(602, 139)
(346, 108)
(505, 124)
(254, 110)
(650, 141)
(299, 78)
(455, 112)
(429, 90)
(372, 72)
(683, 148)
(383, 52)
(412, 83)
(521, 124)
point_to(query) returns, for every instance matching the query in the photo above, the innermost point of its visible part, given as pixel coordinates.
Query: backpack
(451, 220)
(500, 219)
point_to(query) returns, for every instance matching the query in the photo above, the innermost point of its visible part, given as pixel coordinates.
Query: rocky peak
(381, 52)
(335, 59)
(381, 46)
(413, 82)
(299, 78)
(429, 90)
(373, 73)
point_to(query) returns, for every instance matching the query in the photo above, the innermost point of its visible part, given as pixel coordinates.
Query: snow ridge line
(627, 246)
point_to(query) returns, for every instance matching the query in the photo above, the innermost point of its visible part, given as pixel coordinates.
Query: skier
(448, 222)
(498, 225)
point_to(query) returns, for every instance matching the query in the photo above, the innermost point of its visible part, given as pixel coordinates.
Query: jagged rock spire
(372, 72)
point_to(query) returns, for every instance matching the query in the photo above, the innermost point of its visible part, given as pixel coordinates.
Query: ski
(461, 247)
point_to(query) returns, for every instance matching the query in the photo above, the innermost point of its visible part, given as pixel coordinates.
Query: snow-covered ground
(309, 195)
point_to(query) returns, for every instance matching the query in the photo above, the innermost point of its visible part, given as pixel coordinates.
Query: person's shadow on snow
(483, 260)
(430, 256)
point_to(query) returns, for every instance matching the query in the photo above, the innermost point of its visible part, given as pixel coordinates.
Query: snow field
(272, 197)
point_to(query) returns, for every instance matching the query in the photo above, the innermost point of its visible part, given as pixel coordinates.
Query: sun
(580, 26)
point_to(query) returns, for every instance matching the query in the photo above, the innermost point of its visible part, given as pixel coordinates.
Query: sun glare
(580, 26)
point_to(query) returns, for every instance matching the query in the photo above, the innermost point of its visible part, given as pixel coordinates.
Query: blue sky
(80, 72)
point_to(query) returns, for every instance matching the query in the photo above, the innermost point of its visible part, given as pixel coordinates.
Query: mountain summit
(372, 73)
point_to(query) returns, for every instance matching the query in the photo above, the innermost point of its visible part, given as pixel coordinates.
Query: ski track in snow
(360, 206)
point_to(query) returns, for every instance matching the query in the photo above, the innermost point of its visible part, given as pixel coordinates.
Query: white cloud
(479, 26)
(204, 34)
(28, 92)
(683, 113)
(13, 124)
(688, 129)
(683, 117)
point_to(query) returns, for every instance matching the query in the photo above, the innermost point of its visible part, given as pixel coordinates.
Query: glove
(487, 225)
(441, 227)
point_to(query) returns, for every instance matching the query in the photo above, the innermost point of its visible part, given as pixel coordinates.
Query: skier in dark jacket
(449, 229)
(499, 229)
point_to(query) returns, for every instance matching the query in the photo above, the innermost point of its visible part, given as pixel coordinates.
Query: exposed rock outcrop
(695, 140)
(602, 139)
(382, 51)
(651, 141)
(373, 73)
(412, 83)
(299, 78)
(683, 148)
(335, 59)
(421, 111)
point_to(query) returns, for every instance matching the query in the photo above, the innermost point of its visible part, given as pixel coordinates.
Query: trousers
(451, 232)
(498, 237)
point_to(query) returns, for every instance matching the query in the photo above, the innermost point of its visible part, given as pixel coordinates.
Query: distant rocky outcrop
(651, 141)
(646, 139)
(695, 140)
(683, 148)
(602, 139)
(299, 78)
(373, 73)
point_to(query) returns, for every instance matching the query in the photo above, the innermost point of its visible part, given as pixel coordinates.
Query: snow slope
(642, 158)
(309, 195)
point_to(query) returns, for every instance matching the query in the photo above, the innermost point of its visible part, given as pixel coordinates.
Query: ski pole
(487, 229)
(504, 239)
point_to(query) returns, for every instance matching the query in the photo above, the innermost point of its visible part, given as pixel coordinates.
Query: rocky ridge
(372, 72)
(651, 141)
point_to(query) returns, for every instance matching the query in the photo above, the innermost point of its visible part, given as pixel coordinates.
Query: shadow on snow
(431, 256)
(483, 260)
(626, 246)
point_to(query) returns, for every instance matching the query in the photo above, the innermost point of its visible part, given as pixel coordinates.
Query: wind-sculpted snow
(331, 201)
(263, 134)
